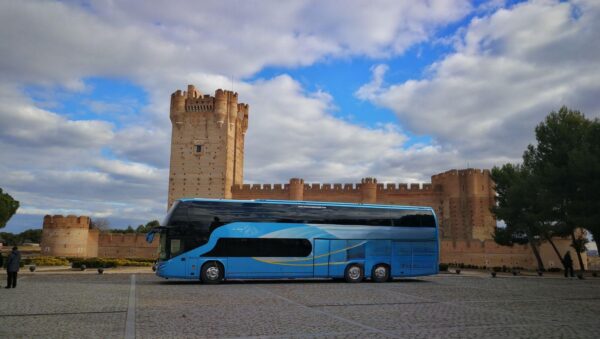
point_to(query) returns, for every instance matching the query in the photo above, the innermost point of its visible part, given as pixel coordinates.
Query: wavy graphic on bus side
(291, 261)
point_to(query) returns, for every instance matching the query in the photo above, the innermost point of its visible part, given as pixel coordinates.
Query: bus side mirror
(150, 237)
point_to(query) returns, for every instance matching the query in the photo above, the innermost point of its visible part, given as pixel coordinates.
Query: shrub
(110, 262)
(48, 261)
(443, 267)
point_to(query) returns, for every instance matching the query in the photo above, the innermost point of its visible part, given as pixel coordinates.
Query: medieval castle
(207, 160)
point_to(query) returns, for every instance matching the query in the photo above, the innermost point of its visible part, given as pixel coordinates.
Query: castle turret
(296, 189)
(207, 144)
(220, 107)
(68, 236)
(467, 196)
(368, 190)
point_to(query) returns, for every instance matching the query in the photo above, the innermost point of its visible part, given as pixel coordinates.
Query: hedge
(109, 262)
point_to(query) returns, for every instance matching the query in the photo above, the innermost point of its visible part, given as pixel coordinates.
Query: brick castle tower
(207, 144)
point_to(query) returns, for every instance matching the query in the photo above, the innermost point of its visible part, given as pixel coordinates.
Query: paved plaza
(82, 305)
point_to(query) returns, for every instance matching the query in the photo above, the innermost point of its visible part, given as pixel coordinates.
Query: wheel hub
(380, 272)
(212, 273)
(354, 272)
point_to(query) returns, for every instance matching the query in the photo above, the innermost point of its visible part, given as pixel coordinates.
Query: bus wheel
(354, 273)
(380, 273)
(212, 272)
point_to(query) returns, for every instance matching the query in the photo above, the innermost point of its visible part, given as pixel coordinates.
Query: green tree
(519, 207)
(585, 165)
(8, 207)
(561, 138)
(31, 235)
(146, 228)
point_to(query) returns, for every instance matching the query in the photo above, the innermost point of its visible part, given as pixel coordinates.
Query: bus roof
(310, 203)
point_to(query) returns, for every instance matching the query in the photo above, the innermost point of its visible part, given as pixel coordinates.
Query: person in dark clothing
(12, 267)
(568, 265)
(1, 260)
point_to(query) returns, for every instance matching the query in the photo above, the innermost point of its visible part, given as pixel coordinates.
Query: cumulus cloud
(509, 69)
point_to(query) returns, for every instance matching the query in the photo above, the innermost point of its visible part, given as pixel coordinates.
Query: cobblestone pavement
(445, 306)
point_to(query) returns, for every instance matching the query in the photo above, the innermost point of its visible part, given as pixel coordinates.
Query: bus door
(401, 258)
(321, 258)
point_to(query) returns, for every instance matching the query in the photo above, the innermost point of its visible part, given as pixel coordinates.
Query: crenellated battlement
(264, 188)
(463, 172)
(318, 188)
(368, 180)
(223, 103)
(392, 188)
(326, 187)
(69, 221)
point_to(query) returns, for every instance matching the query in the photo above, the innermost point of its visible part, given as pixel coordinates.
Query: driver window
(175, 247)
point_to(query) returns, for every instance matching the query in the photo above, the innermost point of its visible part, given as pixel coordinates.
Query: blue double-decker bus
(213, 240)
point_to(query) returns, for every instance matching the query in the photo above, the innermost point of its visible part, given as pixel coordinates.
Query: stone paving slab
(445, 306)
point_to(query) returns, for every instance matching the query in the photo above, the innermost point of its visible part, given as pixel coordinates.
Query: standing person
(568, 264)
(12, 267)
(1, 260)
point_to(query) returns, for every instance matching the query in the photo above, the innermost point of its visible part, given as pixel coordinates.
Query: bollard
(493, 274)
(100, 270)
(83, 267)
(31, 268)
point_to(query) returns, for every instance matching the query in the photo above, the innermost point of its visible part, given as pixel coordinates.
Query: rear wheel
(380, 273)
(212, 272)
(354, 273)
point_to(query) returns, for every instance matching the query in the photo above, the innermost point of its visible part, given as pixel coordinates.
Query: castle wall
(92, 243)
(461, 198)
(130, 245)
(71, 236)
(488, 253)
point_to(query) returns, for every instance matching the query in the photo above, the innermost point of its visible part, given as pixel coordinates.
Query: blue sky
(397, 90)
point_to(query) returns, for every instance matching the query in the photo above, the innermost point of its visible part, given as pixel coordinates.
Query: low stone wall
(488, 253)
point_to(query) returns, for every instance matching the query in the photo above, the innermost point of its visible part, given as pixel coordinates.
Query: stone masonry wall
(131, 245)
(71, 236)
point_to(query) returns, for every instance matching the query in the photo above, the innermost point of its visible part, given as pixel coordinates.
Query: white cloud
(509, 70)
(373, 88)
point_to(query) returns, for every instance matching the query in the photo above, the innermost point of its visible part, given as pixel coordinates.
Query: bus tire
(380, 273)
(212, 272)
(354, 273)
